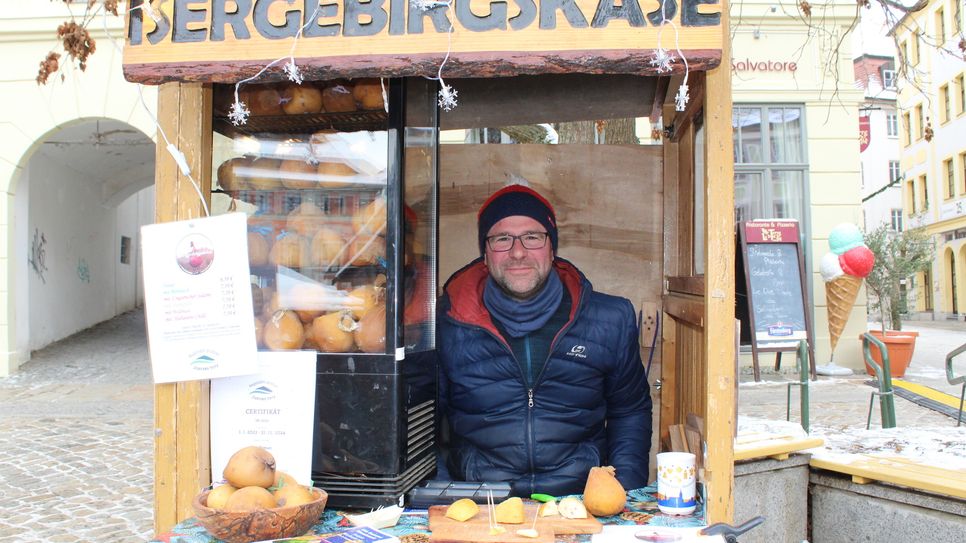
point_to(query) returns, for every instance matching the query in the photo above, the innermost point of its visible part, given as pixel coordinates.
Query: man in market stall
(540, 375)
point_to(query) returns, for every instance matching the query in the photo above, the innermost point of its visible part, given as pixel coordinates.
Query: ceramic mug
(676, 483)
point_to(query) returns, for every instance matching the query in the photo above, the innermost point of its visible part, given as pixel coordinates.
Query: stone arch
(76, 178)
(33, 113)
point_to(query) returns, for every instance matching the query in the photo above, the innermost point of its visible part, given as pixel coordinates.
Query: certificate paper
(273, 409)
(198, 301)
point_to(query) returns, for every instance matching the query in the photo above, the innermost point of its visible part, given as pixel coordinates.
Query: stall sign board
(775, 286)
(271, 409)
(197, 298)
(219, 41)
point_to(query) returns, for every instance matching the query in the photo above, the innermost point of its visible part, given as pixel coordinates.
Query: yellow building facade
(796, 123)
(932, 105)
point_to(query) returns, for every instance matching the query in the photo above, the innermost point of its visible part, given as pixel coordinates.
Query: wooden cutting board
(477, 529)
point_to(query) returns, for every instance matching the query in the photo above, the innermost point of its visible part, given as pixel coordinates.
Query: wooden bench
(778, 447)
(865, 468)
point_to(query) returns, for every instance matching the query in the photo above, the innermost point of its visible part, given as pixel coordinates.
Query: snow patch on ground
(941, 446)
(822, 382)
(924, 373)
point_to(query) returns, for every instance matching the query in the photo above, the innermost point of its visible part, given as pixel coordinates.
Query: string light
(447, 94)
(663, 60)
(172, 149)
(238, 113)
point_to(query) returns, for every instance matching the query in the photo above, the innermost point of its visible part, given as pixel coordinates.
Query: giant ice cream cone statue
(843, 270)
(840, 293)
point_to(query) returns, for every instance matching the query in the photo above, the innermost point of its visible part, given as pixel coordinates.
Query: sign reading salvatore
(222, 40)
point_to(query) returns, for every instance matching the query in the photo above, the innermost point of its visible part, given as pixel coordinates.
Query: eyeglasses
(504, 242)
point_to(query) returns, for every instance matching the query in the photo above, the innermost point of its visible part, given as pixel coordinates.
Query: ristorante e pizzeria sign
(223, 40)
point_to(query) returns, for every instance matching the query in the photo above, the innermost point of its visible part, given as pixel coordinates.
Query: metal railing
(803, 372)
(955, 380)
(883, 377)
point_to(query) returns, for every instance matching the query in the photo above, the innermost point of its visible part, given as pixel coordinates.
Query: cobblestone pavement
(76, 448)
(76, 451)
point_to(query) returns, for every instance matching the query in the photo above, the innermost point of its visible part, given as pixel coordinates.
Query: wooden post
(719, 260)
(181, 449)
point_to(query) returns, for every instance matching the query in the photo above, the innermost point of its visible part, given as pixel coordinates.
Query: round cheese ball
(334, 175)
(333, 332)
(262, 100)
(261, 174)
(227, 177)
(284, 331)
(328, 248)
(368, 93)
(338, 99)
(305, 220)
(298, 174)
(289, 250)
(299, 99)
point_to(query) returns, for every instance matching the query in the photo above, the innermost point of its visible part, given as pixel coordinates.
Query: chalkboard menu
(775, 287)
(775, 315)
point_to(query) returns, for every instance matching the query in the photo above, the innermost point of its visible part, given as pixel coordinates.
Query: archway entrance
(951, 262)
(78, 207)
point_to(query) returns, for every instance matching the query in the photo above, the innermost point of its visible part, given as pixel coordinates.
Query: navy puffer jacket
(590, 405)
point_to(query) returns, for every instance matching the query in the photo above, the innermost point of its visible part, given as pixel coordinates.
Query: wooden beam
(685, 308)
(181, 448)
(719, 260)
(690, 284)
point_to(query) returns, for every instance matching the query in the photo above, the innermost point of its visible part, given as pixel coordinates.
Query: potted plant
(898, 255)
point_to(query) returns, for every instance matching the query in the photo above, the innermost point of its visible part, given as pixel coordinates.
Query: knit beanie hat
(516, 200)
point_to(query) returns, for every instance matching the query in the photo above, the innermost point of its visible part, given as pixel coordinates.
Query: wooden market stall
(685, 257)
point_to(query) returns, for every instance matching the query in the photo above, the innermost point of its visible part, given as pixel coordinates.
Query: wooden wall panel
(608, 200)
(691, 383)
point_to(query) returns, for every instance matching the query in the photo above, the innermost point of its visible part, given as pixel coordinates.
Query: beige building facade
(796, 126)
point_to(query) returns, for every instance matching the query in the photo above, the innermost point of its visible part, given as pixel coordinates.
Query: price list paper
(197, 296)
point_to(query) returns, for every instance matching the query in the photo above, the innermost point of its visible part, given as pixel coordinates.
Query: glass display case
(338, 180)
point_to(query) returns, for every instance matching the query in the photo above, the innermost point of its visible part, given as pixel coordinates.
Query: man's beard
(518, 296)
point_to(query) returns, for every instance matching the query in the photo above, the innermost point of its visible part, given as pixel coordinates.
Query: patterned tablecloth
(641, 509)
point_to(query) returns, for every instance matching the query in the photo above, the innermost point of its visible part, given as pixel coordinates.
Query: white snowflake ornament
(681, 98)
(238, 114)
(292, 72)
(447, 97)
(662, 60)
